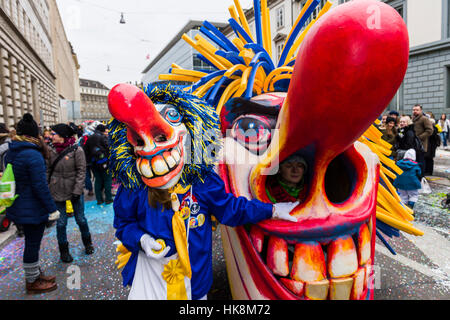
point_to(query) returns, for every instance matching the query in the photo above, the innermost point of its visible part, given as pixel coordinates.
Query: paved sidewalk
(420, 270)
(442, 163)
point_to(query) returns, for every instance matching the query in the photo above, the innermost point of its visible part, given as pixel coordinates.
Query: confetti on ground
(99, 277)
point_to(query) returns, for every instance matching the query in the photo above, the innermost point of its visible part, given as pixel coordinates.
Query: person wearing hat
(67, 170)
(394, 114)
(390, 133)
(408, 183)
(96, 150)
(34, 207)
(289, 184)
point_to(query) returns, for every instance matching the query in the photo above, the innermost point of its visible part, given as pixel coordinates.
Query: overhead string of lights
(123, 13)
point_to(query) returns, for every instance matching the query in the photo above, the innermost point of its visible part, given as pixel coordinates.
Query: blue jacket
(34, 202)
(134, 217)
(410, 178)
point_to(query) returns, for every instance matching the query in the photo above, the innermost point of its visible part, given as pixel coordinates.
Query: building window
(447, 86)
(398, 5)
(446, 18)
(280, 17)
(199, 65)
(279, 50)
(397, 102)
(315, 12)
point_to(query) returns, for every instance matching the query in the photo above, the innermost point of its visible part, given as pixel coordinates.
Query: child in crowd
(408, 183)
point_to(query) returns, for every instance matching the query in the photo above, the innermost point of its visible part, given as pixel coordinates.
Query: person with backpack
(67, 170)
(34, 206)
(96, 149)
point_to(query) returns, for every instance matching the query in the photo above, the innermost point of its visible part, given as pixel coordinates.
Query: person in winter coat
(422, 125)
(408, 183)
(434, 141)
(389, 132)
(67, 170)
(32, 208)
(137, 223)
(96, 150)
(445, 125)
(406, 139)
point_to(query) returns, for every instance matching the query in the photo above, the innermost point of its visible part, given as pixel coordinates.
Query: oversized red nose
(349, 67)
(130, 105)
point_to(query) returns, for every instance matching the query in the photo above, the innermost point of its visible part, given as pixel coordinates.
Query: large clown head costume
(331, 81)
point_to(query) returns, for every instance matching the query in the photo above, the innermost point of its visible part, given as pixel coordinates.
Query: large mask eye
(253, 131)
(172, 115)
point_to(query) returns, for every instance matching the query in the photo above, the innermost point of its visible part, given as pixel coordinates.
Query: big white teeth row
(338, 272)
(159, 165)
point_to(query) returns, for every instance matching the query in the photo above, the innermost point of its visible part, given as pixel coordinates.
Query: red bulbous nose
(349, 67)
(130, 105)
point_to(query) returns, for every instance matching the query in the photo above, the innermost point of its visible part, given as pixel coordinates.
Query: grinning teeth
(176, 155)
(338, 269)
(309, 262)
(358, 284)
(257, 238)
(138, 165)
(363, 244)
(340, 289)
(159, 166)
(317, 290)
(277, 256)
(368, 275)
(295, 286)
(145, 169)
(342, 257)
(169, 159)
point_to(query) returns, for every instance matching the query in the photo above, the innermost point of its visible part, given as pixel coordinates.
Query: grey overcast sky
(99, 40)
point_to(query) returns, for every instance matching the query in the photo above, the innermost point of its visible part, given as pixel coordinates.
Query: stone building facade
(27, 79)
(66, 67)
(427, 80)
(94, 101)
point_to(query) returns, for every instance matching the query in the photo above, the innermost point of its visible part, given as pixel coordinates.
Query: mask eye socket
(172, 115)
(253, 131)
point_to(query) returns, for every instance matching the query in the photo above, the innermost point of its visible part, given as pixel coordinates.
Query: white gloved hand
(54, 216)
(281, 211)
(149, 244)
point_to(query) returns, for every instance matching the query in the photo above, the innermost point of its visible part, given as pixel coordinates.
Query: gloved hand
(75, 198)
(149, 244)
(54, 216)
(281, 211)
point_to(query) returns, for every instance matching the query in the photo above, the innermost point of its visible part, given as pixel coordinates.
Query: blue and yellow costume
(199, 188)
(134, 217)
